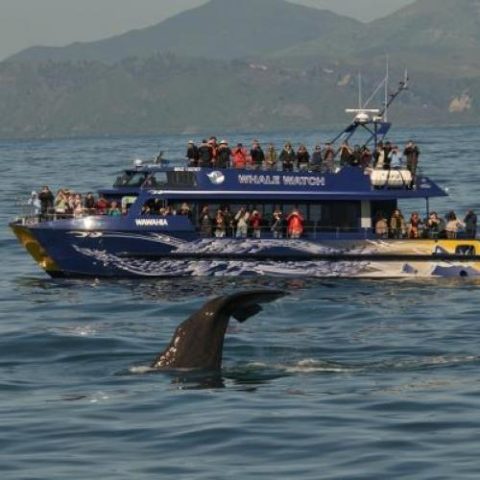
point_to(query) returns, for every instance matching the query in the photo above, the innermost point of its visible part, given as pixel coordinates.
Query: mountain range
(246, 64)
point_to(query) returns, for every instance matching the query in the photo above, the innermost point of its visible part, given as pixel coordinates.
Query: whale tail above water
(198, 341)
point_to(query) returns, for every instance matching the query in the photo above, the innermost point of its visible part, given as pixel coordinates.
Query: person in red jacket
(295, 222)
(239, 156)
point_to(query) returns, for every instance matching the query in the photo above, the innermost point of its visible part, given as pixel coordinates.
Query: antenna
(387, 79)
(360, 100)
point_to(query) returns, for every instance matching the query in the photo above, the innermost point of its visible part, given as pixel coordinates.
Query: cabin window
(154, 207)
(181, 179)
(468, 250)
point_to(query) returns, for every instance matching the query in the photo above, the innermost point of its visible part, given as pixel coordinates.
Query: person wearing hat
(271, 158)
(223, 155)
(192, 154)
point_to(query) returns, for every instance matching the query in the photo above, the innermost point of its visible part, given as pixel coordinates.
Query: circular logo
(217, 178)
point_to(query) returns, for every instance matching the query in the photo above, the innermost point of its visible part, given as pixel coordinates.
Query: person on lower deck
(277, 223)
(453, 225)
(220, 226)
(470, 221)
(434, 225)
(397, 225)
(205, 222)
(241, 220)
(295, 223)
(381, 225)
(256, 224)
(415, 226)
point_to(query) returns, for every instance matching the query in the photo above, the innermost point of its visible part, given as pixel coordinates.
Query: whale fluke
(198, 341)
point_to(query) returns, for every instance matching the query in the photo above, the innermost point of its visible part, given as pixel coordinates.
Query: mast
(387, 79)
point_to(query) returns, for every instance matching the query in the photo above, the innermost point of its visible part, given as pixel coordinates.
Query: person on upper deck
(223, 155)
(316, 161)
(240, 158)
(387, 155)
(303, 158)
(379, 156)
(412, 153)
(329, 158)
(288, 158)
(257, 155)
(346, 154)
(205, 155)
(271, 158)
(366, 158)
(356, 156)
(212, 141)
(192, 154)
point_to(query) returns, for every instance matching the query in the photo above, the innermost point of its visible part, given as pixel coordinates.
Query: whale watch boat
(153, 238)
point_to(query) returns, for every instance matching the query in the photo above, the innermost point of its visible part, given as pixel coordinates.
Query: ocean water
(338, 380)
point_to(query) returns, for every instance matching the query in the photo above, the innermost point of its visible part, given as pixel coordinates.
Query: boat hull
(122, 254)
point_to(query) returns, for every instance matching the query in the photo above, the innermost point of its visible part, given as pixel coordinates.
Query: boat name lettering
(289, 180)
(151, 222)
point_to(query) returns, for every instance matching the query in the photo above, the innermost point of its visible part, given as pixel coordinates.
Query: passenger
(223, 155)
(366, 158)
(239, 157)
(205, 222)
(433, 225)
(453, 225)
(35, 203)
(102, 205)
(271, 158)
(89, 203)
(379, 156)
(387, 159)
(346, 154)
(212, 141)
(415, 226)
(205, 155)
(61, 203)
(257, 155)
(114, 210)
(470, 221)
(288, 158)
(381, 225)
(316, 162)
(256, 223)
(329, 158)
(220, 226)
(395, 158)
(397, 225)
(303, 158)
(412, 153)
(78, 209)
(229, 224)
(295, 222)
(241, 220)
(185, 211)
(192, 154)
(356, 157)
(46, 201)
(277, 224)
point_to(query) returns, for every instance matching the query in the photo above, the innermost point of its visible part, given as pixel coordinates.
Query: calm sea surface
(339, 380)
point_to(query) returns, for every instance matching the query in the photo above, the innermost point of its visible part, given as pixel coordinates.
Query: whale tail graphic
(198, 342)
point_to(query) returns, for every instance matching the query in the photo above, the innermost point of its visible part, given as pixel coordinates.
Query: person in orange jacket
(295, 222)
(239, 157)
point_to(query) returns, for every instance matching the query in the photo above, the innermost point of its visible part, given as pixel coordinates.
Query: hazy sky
(24, 23)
